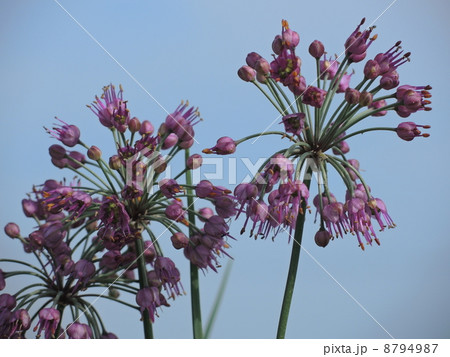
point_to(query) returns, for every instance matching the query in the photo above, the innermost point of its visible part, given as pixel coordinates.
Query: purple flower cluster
(320, 139)
(92, 235)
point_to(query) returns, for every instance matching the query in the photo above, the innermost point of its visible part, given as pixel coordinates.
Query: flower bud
(343, 147)
(261, 78)
(390, 80)
(316, 49)
(12, 230)
(365, 99)
(277, 44)
(371, 69)
(134, 125)
(262, 66)
(162, 130)
(251, 59)
(206, 213)
(160, 165)
(91, 227)
(30, 207)
(59, 163)
(186, 144)
(291, 38)
(377, 105)
(78, 156)
(194, 161)
(322, 238)
(94, 153)
(351, 96)
(224, 146)
(179, 240)
(246, 73)
(146, 128)
(170, 141)
(114, 293)
(57, 152)
(114, 162)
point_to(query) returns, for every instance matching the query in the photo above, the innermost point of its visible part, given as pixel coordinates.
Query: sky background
(192, 50)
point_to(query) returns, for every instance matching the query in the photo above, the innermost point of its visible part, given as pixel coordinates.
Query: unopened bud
(94, 153)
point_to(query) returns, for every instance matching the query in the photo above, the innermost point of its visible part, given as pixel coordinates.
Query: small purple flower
(149, 299)
(216, 226)
(112, 213)
(176, 212)
(205, 213)
(379, 210)
(356, 45)
(328, 68)
(181, 122)
(335, 219)
(179, 240)
(391, 60)
(48, 321)
(206, 189)
(77, 330)
(409, 130)
(169, 275)
(279, 168)
(131, 191)
(224, 146)
(169, 187)
(111, 109)
(314, 96)
(83, 271)
(69, 135)
(412, 99)
(294, 123)
(225, 206)
(344, 83)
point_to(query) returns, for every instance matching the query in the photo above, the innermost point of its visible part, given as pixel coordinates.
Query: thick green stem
(195, 289)
(143, 283)
(293, 266)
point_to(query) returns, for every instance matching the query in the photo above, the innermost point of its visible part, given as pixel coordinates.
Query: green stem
(218, 300)
(195, 288)
(293, 266)
(143, 283)
(269, 98)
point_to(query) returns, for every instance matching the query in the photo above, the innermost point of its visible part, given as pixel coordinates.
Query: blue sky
(192, 50)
